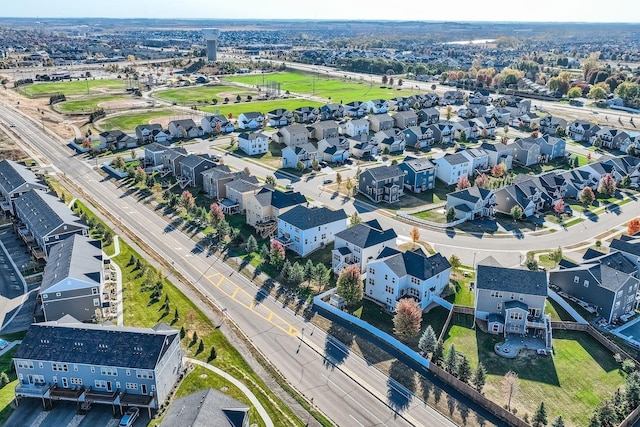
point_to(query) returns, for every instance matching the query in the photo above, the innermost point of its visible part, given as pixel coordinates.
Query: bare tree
(510, 386)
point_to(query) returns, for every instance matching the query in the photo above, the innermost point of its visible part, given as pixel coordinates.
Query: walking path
(116, 252)
(254, 400)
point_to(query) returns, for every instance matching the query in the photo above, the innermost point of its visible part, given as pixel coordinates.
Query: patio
(513, 344)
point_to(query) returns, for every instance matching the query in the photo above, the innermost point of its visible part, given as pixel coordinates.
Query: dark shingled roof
(13, 175)
(77, 257)
(70, 341)
(278, 199)
(414, 263)
(630, 247)
(511, 280)
(365, 235)
(305, 218)
(206, 408)
(380, 173)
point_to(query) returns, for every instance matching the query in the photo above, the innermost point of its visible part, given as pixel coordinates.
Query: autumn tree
(408, 317)
(587, 196)
(215, 214)
(607, 185)
(463, 182)
(428, 340)
(633, 226)
(349, 185)
(482, 181)
(558, 207)
(455, 262)
(339, 179)
(187, 201)
(415, 235)
(276, 254)
(349, 285)
(510, 387)
(354, 219)
(498, 170)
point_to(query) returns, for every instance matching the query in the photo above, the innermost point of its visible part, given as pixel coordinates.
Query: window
(109, 372)
(100, 384)
(128, 372)
(25, 365)
(61, 367)
(75, 368)
(576, 279)
(499, 306)
(144, 375)
(94, 291)
(324, 236)
(372, 271)
(512, 296)
(386, 277)
(415, 281)
(371, 281)
(58, 294)
(388, 289)
(297, 239)
(76, 381)
(96, 302)
(515, 316)
(93, 369)
(393, 280)
(586, 283)
(131, 386)
(45, 296)
(389, 301)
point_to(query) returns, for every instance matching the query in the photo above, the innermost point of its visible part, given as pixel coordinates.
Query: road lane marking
(354, 419)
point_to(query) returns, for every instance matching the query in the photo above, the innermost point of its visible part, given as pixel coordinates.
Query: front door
(65, 383)
(144, 389)
(109, 386)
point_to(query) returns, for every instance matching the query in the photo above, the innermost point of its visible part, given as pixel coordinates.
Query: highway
(349, 391)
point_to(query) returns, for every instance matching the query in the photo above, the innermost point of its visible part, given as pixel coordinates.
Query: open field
(193, 94)
(261, 106)
(85, 105)
(571, 383)
(128, 122)
(339, 90)
(76, 87)
(6, 392)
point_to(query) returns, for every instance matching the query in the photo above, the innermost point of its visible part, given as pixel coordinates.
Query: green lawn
(432, 215)
(463, 294)
(193, 94)
(85, 105)
(571, 383)
(6, 392)
(128, 122)
(76, 87)
(260, 106)
(338, 90)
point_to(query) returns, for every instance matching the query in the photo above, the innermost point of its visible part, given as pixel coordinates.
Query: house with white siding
(253, 143)
(360, 244)
(452, 167)
(305, 229)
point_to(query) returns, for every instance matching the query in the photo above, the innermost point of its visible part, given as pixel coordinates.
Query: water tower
(211, 36)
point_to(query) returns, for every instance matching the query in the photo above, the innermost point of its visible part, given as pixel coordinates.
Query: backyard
(6, 392)
(572, 382)
(75, 87)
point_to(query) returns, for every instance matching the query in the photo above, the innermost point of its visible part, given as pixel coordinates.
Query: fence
(408, 217)
(631, 418)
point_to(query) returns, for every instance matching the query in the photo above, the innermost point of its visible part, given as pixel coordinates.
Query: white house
(452, 167)
(356, 127)
(251, 120)
(377, 106)
(478, 157)
(304, 153)
(360, 244)
(303, 229)
(253, 143)
(395, 275)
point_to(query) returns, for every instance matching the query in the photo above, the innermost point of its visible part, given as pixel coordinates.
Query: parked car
(327, 181)
(289, 186)
(3, 344)
(129, 417)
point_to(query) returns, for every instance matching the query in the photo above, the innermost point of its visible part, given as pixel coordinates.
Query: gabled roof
(251, 115)
(76, 257)
(325, 124)
(494, 146)
(46, 212)
(278, 199)
(149, 126)
(454, 159)
(206, 408)
(418, 164)
(628, 246)
(185, 123)
(241, 186)
(472, 194)
(218, 171)
(367, 234)
(305, 218)
(380, 118)
(154, 147)
(193, 160)
(70, 341)
(414, 263)
(14, 175)
(380, 173)
(511, 280)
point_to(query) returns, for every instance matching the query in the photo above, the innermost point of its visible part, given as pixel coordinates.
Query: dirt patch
(124, 104)
(164, 121)
(9, 150)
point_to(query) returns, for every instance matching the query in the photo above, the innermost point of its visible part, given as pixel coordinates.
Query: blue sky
(461, 10)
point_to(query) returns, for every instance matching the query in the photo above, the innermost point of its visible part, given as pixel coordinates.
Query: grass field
(128, 122)
(336, 89)
(85, 105)
(6, 392)
(76, 87)
(260, 106)
(194, 94)
(571, 383)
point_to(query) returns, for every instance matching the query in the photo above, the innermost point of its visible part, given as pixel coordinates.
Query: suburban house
(418, 136)
(472, 203)
(624, 166)
(303, 229)
(526, 151)
(377, 106)
(15, 180)
(207, 408)
(581, 130)
(479, 159)
(45, 221)
(480, 97)
(606, 282)
(512, 301)
(443, 132)
(217, 124)
(551, 147)
(356, 127)
(238, 191)
(452, 97)
(253, 143)
(185, 128)
(73, 281)
(324, 129)
(412, 274)
(362, 150)
(355, 109)
(279, 117)
(389, 141)
(382, 183)
(331, 112)
(531, 193)
(527, 120)
(250, 121)
(360, 244)
(428, 116)
(214, 179)
(452, 167)
(486, 127)
(498, 153)
(427, 100)
(305, 114)
(405, 119)
(577, 179)
(401, 103)
(264, 207)
(629, 247)
(501, 115)
(191, 168)
(117, 140)
(148, 133)
(292, 135)
(420, 174)
(466, 128)
(610, 138)
(378, 122)
(334, 150)
(171, 159)
(304, 153)
(153, 154)
(550, 124)
(105, 364)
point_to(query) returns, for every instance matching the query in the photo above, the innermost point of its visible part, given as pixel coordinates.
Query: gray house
(207, 408)
(145, 133)
(382, 183)
(629, 247)
(512, 301)
(171, 159)
(606, 282)
(105, 364)
(191, 168)
(15, 180)
(153, 154)
(73, 283)
(46, 220)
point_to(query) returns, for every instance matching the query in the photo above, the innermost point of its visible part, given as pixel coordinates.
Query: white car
(289, 186)
(129, 417)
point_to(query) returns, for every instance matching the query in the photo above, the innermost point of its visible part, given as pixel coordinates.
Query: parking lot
(31, 413)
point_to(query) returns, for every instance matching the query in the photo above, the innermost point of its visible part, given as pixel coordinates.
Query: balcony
(31, 390)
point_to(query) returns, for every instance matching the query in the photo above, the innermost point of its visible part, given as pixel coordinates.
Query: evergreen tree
(251, 245)
(285, 272)
(308, 271)
(182, 332)
(264, 253)
(428, 340)
(464, 369)
(297, 274)
(451, 363)
(438, 352)
(558, 422)
(200, 347)
(540, 417)
(320, 275)
(479, 377)
(213, 354)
